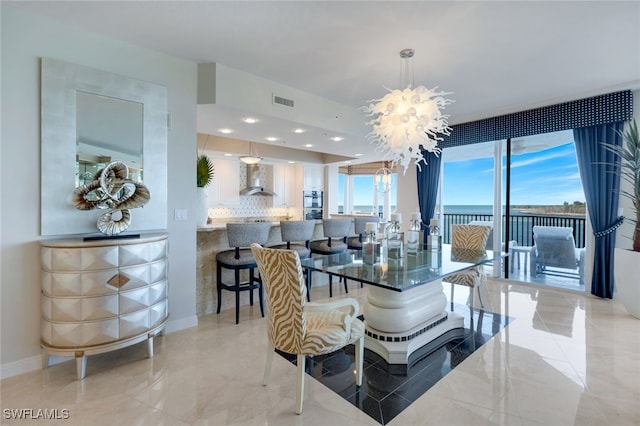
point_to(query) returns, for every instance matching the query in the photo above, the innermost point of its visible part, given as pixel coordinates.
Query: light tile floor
(566, 359)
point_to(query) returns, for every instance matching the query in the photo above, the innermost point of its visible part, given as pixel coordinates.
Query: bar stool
(336, 232)
(359, 225)
(297, 234)
(241, 235)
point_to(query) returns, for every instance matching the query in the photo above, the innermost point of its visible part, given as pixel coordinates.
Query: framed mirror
(88, 119)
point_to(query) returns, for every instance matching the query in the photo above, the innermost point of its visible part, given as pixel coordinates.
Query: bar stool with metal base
(296, 235)
(336, 232)
(241, 236)
(359, 225)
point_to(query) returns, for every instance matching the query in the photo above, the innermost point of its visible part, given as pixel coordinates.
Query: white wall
(25, 39)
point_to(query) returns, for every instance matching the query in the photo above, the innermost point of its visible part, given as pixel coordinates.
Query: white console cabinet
(98, 296)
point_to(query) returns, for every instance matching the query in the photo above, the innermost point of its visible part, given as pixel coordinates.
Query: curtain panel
(601, 186)
(428, 180)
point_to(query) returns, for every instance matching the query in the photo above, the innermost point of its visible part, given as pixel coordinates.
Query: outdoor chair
(554, 247)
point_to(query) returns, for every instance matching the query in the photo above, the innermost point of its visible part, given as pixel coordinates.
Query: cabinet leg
(45, 359)
(150, 346)
(81, 365)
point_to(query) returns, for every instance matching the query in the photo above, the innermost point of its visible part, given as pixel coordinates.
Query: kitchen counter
(212, 239)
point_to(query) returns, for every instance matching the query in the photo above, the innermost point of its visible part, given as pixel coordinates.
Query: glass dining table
(405, 314)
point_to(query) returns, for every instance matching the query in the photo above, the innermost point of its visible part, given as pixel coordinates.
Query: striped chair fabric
(298, 327)
(470, 237)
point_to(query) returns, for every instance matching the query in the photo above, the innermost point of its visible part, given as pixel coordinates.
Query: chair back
(555, 246)
(244, 234)
(283, 282)
(336, 228)
(297, 230)
(470, 237)
(359, 223)
(490, 237)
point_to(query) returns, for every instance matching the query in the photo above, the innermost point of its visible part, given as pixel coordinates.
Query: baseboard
(181, 324)
(33, 363)
(26, 365)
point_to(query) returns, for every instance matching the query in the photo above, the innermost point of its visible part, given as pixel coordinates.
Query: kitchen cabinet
(284, 185)
(99, 296)
(224, 190)
(314, 177)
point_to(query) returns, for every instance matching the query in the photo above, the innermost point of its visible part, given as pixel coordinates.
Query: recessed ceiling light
(309, 145)
(299, 130)
(348, 161)
(228, 155)
(271, 138)
(250, 120)
(358, 155)
(225, 131)
(291, 162)
(337, 138)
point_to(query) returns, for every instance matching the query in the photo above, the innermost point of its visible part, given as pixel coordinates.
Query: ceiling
(494, 57)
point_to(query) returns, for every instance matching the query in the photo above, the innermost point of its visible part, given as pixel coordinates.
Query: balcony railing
(520, 226)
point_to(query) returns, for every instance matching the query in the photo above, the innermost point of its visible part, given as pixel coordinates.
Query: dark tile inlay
(383, 395)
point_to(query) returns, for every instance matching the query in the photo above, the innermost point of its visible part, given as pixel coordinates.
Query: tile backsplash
(253, 206)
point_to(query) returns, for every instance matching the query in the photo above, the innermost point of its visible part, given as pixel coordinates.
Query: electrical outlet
(180, 214)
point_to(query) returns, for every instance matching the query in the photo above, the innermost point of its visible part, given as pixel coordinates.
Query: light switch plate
(180, 214)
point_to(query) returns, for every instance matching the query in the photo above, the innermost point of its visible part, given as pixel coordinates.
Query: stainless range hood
(253, 182)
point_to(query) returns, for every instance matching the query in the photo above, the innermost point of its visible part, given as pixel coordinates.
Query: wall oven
(312, 204)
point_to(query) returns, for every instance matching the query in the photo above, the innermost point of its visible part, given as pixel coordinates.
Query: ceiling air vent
(283, 101)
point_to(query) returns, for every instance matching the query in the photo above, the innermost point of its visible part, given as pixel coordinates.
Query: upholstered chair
(296, 235)
(335, 241)
(469, 237)
(240, 237)
(359, 225)
(300, 328)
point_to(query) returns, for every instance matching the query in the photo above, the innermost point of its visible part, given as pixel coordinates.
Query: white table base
(401, 325)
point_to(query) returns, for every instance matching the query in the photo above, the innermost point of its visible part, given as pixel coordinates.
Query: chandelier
(406, 122)
(382, 180)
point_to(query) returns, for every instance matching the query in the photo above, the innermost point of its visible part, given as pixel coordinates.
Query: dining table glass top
(400, 274)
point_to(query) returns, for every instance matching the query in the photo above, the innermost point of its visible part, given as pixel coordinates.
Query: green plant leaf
(204, 171)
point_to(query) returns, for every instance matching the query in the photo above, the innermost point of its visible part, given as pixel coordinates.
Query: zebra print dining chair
(469, 237)
(301, 328)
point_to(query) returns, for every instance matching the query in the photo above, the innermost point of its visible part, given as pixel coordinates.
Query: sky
(548, 177)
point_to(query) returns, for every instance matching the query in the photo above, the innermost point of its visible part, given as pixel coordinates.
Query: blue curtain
(602, 188)
(428, 179)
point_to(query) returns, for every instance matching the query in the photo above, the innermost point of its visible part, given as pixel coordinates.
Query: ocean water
(448, 209)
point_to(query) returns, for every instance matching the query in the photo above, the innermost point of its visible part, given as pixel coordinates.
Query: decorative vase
(627, 281)
(203, 208)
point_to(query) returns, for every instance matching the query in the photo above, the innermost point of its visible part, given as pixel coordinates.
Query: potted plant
(626, 261)
(204, 176)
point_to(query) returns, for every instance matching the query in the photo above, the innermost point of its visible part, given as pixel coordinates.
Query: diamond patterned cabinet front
(99, 296)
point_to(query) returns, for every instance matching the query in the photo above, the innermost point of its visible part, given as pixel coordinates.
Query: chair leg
(307, 281)
(218, 287)
(309, 277)
(480, 296)
(452, 286)
(330, 285)
(346, 288)
(261, 296)
(359, 360)
(267, 368)
(250, 284)
(300, 384)
(237, 275)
